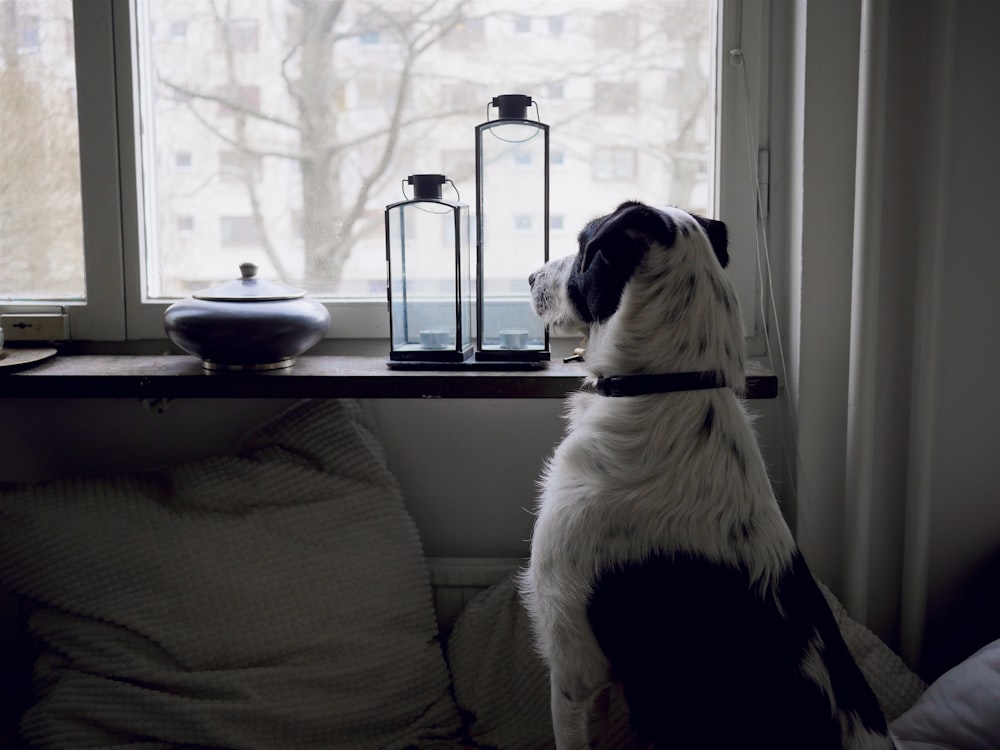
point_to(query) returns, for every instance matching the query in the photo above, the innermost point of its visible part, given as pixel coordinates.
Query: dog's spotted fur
(659, 558)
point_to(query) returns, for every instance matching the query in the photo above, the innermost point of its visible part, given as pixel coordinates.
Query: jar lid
(248, 288)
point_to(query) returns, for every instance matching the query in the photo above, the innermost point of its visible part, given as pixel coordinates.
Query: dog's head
(648, 289)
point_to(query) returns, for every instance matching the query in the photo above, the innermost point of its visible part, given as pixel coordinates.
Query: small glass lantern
(429, 256)
(512, 230)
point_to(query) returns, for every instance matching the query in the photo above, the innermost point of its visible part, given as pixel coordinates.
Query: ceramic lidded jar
(247, 323)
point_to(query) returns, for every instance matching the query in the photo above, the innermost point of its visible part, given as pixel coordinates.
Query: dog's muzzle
(548, 293)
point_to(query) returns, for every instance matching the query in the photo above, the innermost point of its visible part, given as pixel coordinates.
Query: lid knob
(248, 270)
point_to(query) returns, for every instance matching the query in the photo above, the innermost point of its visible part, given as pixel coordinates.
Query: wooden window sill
(313, 376)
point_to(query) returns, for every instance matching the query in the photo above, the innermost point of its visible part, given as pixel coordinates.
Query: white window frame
(112, 195)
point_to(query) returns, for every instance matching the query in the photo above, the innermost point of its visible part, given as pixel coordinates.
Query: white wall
(468, 468)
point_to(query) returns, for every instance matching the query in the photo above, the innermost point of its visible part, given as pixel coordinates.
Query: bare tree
(327, 137)
(333, 207)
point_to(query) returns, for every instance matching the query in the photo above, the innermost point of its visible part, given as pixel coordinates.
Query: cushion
(501, 683)
(270, 599)
(959, 711)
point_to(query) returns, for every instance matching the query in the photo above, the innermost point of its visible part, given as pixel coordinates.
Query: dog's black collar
(638, 385)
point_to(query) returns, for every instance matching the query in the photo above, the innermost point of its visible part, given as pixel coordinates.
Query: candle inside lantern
(433, 339)
(513, 339)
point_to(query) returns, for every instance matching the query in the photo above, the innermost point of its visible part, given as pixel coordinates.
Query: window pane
(276, 132)
(41, 229)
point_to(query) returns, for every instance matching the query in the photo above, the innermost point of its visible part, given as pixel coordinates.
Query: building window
(616, 97)
(185, 224)
(239, 231)
(238, 166)
(616, 30)
(614, 164)
(241, 34)
(467, 33)
(555, 90)
(178, 29)
(459, 97)
(523, 222)
(182, 160)
(522, 24)
(28, 37)
(235, 99)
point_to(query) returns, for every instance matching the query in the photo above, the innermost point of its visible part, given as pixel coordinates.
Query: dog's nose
(531, 278)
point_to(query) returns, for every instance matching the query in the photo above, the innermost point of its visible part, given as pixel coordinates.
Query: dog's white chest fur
(632, 475)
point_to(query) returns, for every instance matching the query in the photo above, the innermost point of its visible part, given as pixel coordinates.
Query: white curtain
(891, 103)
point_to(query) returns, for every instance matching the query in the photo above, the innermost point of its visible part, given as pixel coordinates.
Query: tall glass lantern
(512, 229)
(430, 287)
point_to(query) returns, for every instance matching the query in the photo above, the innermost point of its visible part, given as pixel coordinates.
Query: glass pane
(41, 225)
(277, 131)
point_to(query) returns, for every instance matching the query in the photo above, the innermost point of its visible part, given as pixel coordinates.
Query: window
(178, 29)
(236, 166)
(614, 164)
(619, 30)
(616, 97)
(229, 144)
(240, 34)
(239, 231)
(235, 99)
(26, 28)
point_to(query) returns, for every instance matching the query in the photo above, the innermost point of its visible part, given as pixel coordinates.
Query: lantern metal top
(512, 106)
(426, 186)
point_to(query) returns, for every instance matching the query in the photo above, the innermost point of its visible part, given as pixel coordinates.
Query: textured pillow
(959, 711)
(502, 686)
(276, 598)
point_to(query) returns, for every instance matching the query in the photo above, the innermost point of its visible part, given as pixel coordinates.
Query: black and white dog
(660, 560)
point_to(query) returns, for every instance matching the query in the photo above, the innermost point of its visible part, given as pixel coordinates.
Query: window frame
(112, 195)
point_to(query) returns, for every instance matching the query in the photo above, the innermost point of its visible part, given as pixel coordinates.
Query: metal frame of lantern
(520, 336)
(429, 313)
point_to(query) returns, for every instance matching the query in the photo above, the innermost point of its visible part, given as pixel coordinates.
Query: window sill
(313, 376)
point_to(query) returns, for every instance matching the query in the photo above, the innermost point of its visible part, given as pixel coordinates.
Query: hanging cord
(765, 277)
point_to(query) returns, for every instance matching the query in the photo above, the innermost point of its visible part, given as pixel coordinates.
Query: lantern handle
(531, 103)
(536, 121)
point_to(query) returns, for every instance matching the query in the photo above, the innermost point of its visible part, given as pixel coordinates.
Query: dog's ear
(610, 250)
(718, 236)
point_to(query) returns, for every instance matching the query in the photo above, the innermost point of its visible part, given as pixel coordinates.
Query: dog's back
(706, 662)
